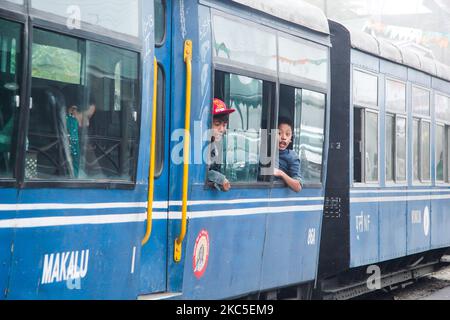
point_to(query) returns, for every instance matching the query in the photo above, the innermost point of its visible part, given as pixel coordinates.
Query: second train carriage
(387, 194)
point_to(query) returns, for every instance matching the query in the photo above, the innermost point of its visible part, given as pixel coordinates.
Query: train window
(303, 60)
(447, 153)
(390, 147)
(440, 153)
(244, 43)
(161, 116)
(365, 88)
(307, 108)
(425, 152)
(421, 150)
(442, 111)
(55, 62)
(416, 149)
(395, 96)
(83, 123)
(312, 136)
(10, 81)
(120, 16)
(395, 131)
(160, 22)
(421, 101)
(401, 149)
(371, 143)
(421, 134)
(365, 146)
(358, 145)
(442, 104)
(252, 99)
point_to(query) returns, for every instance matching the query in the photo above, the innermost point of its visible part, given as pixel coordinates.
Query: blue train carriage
(79, 88)
(265, 59)
(387, 187)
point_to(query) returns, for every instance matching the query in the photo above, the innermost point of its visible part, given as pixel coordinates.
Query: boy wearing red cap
(219, 126)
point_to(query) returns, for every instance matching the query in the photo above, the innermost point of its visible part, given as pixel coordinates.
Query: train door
(154, 254)
(10, 91)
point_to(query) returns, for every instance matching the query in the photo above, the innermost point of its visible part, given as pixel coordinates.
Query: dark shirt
(289, 163)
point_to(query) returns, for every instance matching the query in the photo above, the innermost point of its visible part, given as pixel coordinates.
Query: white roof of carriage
(295, 11)
(389, 51)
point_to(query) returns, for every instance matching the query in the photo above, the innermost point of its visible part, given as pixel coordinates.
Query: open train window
(252, 99)
(83, 123)
(306, 110)
(10, 81)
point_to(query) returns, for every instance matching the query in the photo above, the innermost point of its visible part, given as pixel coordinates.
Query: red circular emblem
(201, 254)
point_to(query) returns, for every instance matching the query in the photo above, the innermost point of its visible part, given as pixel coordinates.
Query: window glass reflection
(302, 59)
(440, 158)
(401, 149)
(120, 16)
(371, 147)
(244, 43)
(442, 104)
(10, 81)
(243, 138)
(421, 101)
(311, 136)
(365, 88)
(395, 96)
(83, 124)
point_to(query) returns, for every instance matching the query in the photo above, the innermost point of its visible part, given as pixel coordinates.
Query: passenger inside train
(219, 126)
(288, 164)
(76, 120)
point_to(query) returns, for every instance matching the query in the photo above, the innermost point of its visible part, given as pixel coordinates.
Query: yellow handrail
(186, 152)
(151, 174)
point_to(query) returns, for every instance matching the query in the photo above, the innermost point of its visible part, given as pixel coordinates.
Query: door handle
(178, 247)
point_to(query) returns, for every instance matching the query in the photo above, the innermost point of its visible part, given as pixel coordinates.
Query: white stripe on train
(156, 204)
(141, 217)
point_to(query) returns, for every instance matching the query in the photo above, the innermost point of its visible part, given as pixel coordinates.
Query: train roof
(389, 51)
(296, 11)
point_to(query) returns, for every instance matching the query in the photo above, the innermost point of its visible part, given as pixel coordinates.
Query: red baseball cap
(220, 108)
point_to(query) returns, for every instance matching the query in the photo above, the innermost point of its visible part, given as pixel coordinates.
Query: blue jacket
(289, 163)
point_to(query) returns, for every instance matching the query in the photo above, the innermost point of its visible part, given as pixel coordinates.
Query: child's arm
(218, 180)
(292, 183)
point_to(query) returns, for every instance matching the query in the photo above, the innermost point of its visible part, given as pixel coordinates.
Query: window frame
(371, 73)
(162, 128)
(305, 83)
(397, 115)
(19, 181)
(365, 108)
(299, 87)
(18, 18)
(48, 19)
(164, 38)
(421, 118)
(446, 147)
(444, 126)
(254, 75)
(232, 64)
